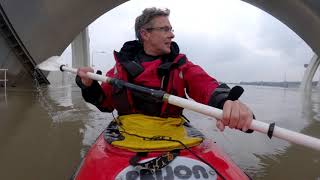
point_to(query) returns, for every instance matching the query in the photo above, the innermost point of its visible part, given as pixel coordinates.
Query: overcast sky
(232, 40)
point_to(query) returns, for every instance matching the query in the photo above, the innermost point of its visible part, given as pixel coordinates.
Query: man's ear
(144, 34)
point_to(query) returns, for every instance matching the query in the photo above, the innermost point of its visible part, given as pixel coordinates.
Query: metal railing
(5, 83)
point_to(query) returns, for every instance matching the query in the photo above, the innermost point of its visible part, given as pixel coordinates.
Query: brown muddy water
(46, 130)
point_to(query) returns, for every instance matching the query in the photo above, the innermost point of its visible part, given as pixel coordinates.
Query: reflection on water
(44, 132)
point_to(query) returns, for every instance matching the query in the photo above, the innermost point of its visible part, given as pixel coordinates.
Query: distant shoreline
(291, 84)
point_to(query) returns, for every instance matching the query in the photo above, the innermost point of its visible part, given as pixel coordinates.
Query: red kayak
(205, 161)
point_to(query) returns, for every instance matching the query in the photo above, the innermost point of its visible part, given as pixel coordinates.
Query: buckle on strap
(154, 164)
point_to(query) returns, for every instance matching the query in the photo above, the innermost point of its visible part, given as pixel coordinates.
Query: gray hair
(148, 14)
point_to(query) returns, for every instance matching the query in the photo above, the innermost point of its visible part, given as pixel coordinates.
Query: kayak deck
(104, 161)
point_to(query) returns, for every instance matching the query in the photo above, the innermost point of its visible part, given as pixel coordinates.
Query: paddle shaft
(259, 126)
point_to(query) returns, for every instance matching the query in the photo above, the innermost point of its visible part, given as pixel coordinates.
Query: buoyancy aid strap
(164, 72)
(165, 68)
(131, 66)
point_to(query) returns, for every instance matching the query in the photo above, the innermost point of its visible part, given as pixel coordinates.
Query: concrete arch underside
(33, 30)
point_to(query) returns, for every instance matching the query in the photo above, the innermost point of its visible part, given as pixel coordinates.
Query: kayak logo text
(179, 168)
(170, 173)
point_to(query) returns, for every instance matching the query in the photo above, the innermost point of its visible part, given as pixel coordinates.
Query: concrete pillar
(80, 50)
(306, 84)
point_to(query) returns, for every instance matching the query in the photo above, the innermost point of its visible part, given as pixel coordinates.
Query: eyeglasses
(165, 29)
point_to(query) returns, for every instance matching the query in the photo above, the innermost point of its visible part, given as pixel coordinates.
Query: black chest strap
(132, 67)
(165, 69)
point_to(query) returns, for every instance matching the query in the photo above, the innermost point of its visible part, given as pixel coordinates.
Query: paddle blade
(51, 64)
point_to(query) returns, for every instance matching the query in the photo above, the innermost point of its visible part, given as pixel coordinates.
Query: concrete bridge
(33, 30)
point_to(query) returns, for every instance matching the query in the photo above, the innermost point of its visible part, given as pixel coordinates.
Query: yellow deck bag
(139, 132)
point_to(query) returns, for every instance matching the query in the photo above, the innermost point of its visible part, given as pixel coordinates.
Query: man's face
(157, 38)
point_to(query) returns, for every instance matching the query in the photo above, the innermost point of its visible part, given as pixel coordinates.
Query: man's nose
(171, 35)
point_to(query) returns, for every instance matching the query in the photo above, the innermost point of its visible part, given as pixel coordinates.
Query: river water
(46, 130)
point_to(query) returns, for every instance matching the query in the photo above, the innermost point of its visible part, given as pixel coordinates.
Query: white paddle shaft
(89, 74)
(259, 126)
